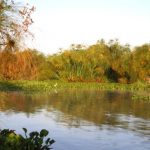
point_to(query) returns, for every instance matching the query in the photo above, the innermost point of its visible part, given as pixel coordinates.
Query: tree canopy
(100, 62)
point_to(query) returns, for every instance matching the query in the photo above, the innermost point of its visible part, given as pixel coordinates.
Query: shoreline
(26, 85)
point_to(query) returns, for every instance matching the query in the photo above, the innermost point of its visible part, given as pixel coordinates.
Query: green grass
(54, 84)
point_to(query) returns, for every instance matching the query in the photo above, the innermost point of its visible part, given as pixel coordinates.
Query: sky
(60, 23)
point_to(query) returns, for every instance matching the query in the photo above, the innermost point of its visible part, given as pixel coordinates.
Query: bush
(9, 140)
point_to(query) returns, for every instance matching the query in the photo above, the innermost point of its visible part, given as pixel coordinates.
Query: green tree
(118, 61)
(141, 63)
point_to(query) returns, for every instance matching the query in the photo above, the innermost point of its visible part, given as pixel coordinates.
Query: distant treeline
(101, 62)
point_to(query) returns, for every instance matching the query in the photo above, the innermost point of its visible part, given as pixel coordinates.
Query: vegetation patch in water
(55, 84)
(141, 97)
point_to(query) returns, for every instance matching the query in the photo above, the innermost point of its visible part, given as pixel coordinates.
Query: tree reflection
(84, 107)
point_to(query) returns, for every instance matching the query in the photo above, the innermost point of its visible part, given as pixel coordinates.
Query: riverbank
(56, 85)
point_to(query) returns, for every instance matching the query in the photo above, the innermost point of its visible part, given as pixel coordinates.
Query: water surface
(80, 119)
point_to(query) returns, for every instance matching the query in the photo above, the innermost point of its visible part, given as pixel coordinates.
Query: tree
(15, 19)
(141, 63)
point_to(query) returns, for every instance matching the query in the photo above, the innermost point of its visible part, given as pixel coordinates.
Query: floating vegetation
(141, 97)
(56, 85)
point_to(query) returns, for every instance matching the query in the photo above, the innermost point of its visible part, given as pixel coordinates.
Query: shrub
(9, 140)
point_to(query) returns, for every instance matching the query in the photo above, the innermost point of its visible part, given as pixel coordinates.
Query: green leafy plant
(9, 140)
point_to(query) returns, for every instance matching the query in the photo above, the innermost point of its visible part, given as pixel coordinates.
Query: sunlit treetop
(15, 19)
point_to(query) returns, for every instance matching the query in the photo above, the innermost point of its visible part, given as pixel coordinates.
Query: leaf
(43, 133)
(25, 130)
(47, 141)
(51, 142)
(34, 133)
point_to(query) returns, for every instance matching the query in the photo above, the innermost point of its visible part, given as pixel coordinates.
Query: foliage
(140, 97)
(15, 19)
(141, 63)
(47, 86)
(9, 140)
(102, 62)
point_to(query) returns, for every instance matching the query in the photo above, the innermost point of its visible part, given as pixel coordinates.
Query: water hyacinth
(56, 85)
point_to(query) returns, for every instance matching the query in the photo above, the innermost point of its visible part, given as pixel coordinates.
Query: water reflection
(88, 111)
(98, 107)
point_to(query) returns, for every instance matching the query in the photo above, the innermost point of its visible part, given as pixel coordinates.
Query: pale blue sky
(59, 23)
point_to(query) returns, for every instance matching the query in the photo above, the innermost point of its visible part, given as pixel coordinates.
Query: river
(80, 119)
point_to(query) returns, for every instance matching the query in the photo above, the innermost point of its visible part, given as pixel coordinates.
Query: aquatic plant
(51, 85)
(141, 97)
(9, 140)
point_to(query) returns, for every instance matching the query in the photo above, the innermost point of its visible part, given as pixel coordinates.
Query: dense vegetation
(47, 86)
(101, 62)
(9, 140)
